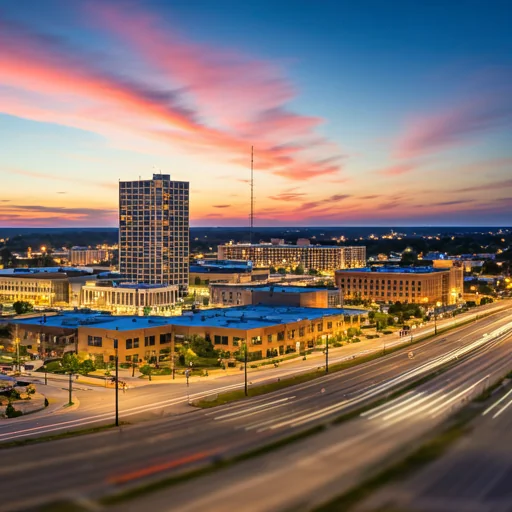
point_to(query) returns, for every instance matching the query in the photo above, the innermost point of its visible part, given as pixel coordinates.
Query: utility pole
(252, 194)
(245, 369)
(70, 388)
(117, 381)
(173, 362)
(327, 354)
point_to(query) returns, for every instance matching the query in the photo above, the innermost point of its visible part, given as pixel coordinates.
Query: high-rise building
(154, 231)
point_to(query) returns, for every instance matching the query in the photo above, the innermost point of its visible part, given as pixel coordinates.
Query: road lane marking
(489, 409)
(502, 409)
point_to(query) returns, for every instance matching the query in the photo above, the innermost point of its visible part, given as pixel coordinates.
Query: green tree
(201, 347)
(86, 367)
(299, 270)
(22, 306)
(70, 363)
(197, 281)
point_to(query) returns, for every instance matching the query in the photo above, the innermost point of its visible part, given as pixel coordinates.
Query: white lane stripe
(490, 408)
(502, 409)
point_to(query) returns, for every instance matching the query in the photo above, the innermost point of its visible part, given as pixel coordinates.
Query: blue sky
(361, 113)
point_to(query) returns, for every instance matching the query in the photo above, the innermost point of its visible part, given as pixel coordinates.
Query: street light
(327, 354)
(117, 381)
(245, 368)
(438, 304)
(70, 402)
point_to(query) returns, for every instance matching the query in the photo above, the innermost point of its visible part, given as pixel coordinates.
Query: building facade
(154, 231)
(296, 296)
(87, 256)
(422, 285)
(322, 258)
(129, 299)
(40, 288)
(265, 330)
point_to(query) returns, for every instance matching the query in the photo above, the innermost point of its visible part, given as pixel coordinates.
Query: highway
(475, 475)
(87, 467)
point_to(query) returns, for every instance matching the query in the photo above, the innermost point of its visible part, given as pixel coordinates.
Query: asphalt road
(474, 476)
(308, 473)
(79, 468)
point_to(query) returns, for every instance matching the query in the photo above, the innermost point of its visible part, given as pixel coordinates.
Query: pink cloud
(454, 126)
(396, 170)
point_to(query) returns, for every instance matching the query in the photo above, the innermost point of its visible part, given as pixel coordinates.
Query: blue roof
(395, 270)
(242, 317)
(286, 289)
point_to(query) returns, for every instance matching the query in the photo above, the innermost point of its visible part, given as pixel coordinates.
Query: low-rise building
(423, 285)
(241, 295)
(129, 298)
(38, 288)
(204, 272)
(265, 330)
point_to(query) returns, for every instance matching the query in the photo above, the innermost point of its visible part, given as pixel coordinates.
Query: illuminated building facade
(422, 285)
(129, 299)
(322, 258)
(40, 289)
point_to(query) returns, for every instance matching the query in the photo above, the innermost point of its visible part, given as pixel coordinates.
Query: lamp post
(245, 368)
(70, 402)
(327, 353)
(117, 381)
(435, 317)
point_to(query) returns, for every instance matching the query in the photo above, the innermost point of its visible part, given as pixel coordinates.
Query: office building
(154, 231)
(421, 285)
(267, 331)
(322, 258)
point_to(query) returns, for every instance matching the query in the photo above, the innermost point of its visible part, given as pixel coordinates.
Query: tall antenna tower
(252, 194)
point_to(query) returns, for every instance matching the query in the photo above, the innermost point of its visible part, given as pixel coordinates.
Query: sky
(373, 113)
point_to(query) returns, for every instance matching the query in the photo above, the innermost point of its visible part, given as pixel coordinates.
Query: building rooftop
(311, 246)
(39, 270)
(286, 289)
(242, 317)
(395, 270)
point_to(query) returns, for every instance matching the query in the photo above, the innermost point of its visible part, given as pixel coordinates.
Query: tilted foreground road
(106, 462)
(474, 476)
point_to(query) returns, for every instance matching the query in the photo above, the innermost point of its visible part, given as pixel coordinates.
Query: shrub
(11, 412)
(355, 340)
(387, 332)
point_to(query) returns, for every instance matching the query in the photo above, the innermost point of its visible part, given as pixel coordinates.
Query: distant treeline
(450, 240)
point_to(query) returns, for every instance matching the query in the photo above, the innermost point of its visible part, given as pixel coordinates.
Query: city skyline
(376, 114)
